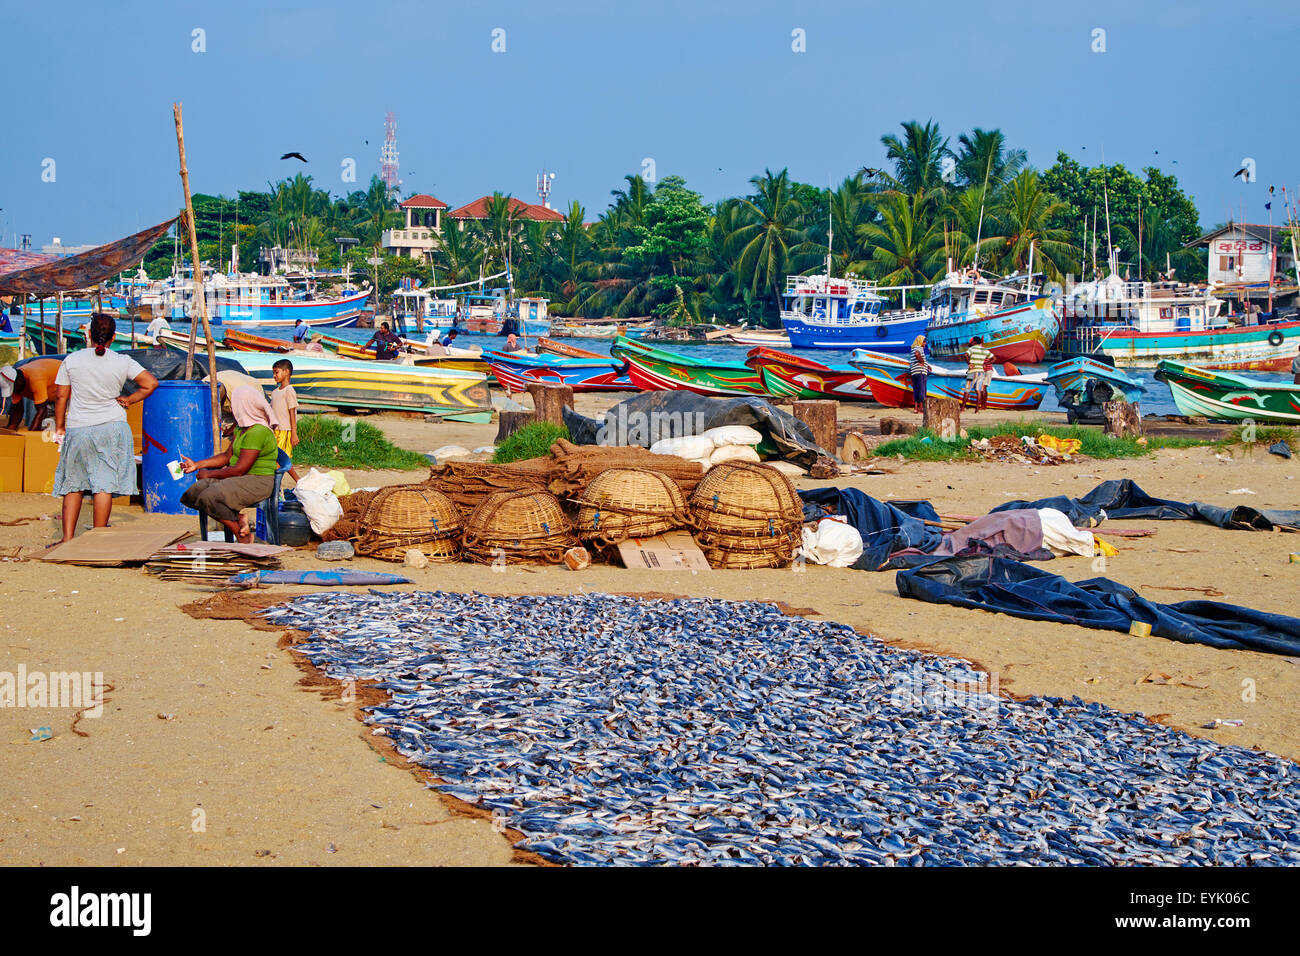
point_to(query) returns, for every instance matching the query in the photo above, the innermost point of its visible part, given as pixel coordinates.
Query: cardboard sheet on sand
(111, 547)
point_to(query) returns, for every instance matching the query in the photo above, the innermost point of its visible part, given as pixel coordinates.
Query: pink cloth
(249, 406)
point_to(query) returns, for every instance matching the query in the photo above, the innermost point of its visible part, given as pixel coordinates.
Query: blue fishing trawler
(826, 312)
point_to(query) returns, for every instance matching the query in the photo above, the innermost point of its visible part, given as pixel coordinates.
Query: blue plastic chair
(268, 511)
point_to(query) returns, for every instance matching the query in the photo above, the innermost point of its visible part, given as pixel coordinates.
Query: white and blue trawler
(826, 312)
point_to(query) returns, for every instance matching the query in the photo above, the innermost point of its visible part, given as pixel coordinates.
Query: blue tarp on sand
(1022, 590)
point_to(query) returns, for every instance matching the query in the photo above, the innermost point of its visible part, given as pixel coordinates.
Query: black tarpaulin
(885, 527)
(1021, 590)
(650, 416)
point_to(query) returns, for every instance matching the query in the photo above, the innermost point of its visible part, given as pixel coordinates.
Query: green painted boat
(46, 340)
(1198, 391)
(656, 369)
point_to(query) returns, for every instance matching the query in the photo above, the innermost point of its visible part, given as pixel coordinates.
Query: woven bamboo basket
(722, 554)
(519, 526)
(627, 503)
(744, 499)
(401, 517)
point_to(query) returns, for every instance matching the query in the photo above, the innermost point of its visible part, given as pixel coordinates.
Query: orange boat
(247, 342)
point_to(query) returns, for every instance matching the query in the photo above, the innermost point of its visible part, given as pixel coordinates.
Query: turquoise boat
(1073, 374)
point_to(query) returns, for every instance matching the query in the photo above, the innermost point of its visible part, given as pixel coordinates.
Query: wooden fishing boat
(771, 340)
(892, 385)
(181, 340)
(1072, 375)
(346, 384)
(653, 368)
(46, 340)
(516, 372)
(560, 348)
(793, 376)
(241, 341)
(413, 353)
(1198, 391)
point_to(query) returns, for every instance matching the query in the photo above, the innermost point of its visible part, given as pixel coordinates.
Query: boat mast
(1105, 192)
(979, 229)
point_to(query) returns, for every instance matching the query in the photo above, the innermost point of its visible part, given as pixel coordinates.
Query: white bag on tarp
(724, 435)
(1060, 536)
(690, 447)
(315, 490)
(832, 542)
(733, 453)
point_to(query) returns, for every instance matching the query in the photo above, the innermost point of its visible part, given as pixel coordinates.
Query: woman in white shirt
(98, 453)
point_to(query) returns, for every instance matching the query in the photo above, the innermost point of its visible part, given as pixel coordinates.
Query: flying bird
(294, 156)
(1243, 173)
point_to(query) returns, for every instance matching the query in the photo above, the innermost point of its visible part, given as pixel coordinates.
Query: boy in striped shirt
(979, 373)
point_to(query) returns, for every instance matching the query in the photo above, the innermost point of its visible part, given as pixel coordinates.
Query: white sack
(833, 543)
(690, 447)
(316, 492)
(725, 435)
(1060, 536)
(733, 453)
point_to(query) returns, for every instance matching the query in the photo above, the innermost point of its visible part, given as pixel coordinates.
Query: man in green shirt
(979, 373)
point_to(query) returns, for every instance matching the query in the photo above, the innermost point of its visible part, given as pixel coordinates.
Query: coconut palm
(917, 157)
(772, 218)
(907, 241)
(1024, 210)
(983, 157)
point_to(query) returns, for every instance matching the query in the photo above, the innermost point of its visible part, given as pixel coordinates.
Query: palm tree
(917, 157)
(771, 221)
(852, 205)
(630, 204)
(907, 240)
(1024, 210)
(983, 157)
(460, 252)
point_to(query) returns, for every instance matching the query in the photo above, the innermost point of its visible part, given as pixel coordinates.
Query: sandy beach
(210, 750)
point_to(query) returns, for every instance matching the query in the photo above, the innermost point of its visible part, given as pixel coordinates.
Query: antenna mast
(388, 164)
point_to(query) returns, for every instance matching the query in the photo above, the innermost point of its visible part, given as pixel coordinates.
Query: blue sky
(709, 91)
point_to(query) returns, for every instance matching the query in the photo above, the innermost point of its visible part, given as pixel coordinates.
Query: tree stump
(942, 416)
(856, 447)
(511, 422)
(1122, 419)
(820, 415)
(549, 401)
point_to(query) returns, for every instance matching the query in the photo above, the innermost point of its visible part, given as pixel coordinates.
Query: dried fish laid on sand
(619, 730)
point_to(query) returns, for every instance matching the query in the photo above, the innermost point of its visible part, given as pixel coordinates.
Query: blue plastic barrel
(177, 420)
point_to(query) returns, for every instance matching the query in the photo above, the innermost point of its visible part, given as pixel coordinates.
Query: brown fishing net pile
(349, 526)
(567, 470)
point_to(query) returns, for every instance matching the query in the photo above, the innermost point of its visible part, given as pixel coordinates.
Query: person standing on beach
(157, 327)
(1295, 368)
(98, 452)
(386, 344)
(979, 373)
(242, 476)
(284, 403)
(919, 370)
(513, 344)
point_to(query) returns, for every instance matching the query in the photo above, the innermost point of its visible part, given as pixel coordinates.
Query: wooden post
(201, 300)
(42, 307)
(821, 416)
(549, 401)
(58, 321)
(942, 416)
(1122, 419)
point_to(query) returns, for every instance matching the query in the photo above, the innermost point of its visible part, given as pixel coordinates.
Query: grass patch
(534, 440)
(1263, 435)
(926, 445)
(331, 443)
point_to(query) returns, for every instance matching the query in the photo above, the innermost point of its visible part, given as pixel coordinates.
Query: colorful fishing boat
(1140, 324)
(826, 312)
(242, 341)
(552, 347)
(892, 385)
(653, 369)
(413, 353)
(345, 384)
(793, 376)
(515, 372)
(1014, 322)
(46, 340)
(254, 301)
(1072, 376)
(1215, 394)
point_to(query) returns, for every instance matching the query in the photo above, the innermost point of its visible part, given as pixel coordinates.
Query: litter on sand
(612, 729)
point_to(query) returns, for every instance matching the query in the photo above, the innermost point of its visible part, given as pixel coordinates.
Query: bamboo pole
(58, 321)
(42, 305)
(200, 299)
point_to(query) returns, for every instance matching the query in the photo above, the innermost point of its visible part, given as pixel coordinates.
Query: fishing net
(518, 526)
(401, 517)
(348, 527)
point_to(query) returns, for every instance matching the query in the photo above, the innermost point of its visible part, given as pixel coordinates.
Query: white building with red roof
(419, 236)
(478, 209)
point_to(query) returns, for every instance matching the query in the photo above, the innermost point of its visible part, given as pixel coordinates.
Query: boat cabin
(1144, 306)
(960, 297)
(827, 300)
